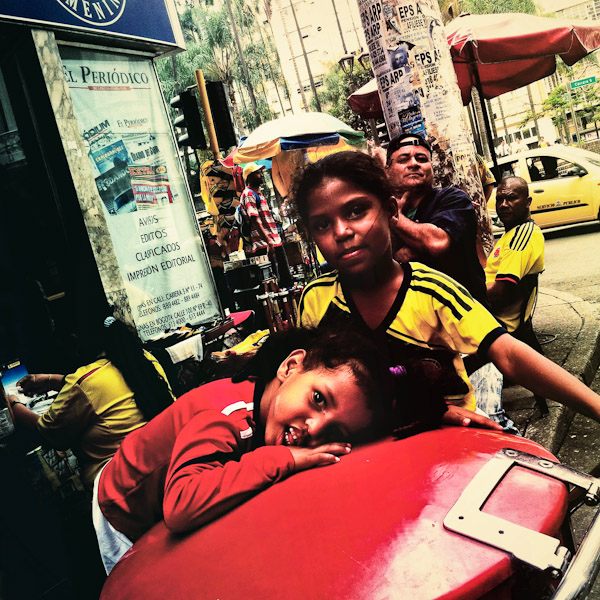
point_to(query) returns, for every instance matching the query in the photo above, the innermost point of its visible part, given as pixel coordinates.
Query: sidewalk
(569, 330)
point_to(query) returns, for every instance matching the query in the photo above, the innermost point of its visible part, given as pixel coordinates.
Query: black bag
(243, 222)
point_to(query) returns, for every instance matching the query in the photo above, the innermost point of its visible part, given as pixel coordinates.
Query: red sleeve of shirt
(212, 471)
(249, 202)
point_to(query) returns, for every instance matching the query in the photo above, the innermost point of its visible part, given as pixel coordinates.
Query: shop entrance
(49, 281)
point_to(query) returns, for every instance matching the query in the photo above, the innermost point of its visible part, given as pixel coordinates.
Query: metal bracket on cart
(533, 548)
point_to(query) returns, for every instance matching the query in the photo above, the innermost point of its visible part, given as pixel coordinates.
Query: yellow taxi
(564, 184)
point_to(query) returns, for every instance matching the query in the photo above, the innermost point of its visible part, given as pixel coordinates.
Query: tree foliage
(337, 86)
(211, 47)
(488, 7)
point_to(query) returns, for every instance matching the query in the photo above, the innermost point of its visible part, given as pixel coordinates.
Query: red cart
(452, 513)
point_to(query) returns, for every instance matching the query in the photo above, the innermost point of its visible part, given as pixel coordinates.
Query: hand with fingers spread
(403, 253)
(326, 454)
(400, 203)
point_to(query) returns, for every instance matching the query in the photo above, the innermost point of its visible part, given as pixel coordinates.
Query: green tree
(336, 88)
(556, 106)
(188, 26)
(212, 46)
(488, 7)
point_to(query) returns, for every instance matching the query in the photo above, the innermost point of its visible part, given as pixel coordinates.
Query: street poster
(419, 92)
(145, 201)
(415, 76)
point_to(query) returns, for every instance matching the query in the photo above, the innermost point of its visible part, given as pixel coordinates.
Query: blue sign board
(145, 20)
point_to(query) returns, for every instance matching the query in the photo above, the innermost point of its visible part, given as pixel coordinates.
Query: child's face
(310, 408)
(350, 226)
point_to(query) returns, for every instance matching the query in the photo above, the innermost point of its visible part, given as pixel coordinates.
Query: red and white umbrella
(509, 51)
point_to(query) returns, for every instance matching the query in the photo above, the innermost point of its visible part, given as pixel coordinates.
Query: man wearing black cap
(436, 226)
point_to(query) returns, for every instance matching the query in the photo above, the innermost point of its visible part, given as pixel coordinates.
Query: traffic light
(189, 119)
(221, 114)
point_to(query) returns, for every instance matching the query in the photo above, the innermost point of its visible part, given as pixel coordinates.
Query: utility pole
(312, 82)
(358, 42)
(419, 93)
(273, 79)
(573, 113)
(290, 46)
(243, 63)
(533, 111)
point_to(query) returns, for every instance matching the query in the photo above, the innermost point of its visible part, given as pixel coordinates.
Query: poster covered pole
(419, 93)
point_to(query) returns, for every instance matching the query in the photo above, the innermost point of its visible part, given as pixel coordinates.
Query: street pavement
(569, 330)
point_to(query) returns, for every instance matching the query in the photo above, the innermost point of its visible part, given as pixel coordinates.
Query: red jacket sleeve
(212, 470)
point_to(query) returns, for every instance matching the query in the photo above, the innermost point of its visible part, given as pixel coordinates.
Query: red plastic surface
(369, 527)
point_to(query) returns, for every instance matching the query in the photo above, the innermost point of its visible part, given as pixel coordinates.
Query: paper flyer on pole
(140, 181)
(412, 74)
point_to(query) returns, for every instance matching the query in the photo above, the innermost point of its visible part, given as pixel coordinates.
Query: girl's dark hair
(329, 349)
(406, 399)
(124, 349)
(357, 168)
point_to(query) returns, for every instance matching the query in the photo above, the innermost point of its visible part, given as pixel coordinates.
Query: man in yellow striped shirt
(517, 257)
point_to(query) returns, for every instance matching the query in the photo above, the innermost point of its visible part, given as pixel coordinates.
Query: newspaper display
(140, 181)
(414, 72)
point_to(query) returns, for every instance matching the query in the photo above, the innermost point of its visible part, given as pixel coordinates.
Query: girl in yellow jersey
(100, 403)
(345, 203)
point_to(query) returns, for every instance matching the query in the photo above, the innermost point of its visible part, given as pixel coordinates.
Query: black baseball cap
(403, 140)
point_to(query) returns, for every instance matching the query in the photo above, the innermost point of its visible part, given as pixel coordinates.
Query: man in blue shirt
(436, 226)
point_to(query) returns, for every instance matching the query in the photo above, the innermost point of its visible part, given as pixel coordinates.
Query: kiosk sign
(145, 201)
(145, 20)
(105, 12)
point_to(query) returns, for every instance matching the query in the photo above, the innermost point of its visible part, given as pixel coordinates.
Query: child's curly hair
(330, 349)
(405, 400)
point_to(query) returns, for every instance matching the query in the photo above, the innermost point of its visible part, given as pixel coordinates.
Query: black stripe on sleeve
(446, 287)
(438, 296)
(515, 238)
(521, 237)
(488, 340)
(527, 233)
(220, 457)
(445, 277)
